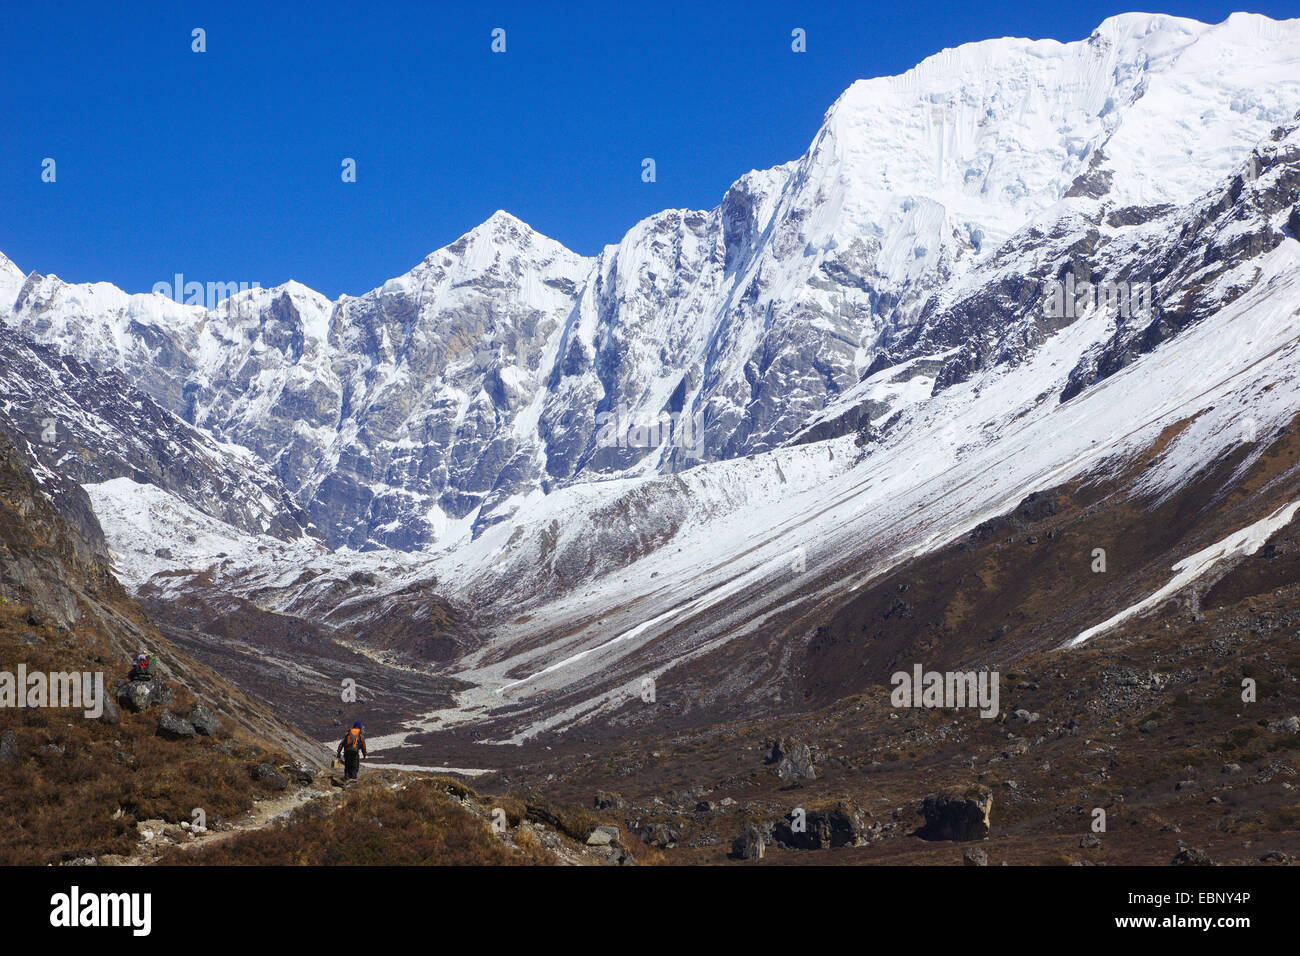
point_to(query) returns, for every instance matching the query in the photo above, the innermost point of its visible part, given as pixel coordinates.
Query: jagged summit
(500, 235)
(11, 283)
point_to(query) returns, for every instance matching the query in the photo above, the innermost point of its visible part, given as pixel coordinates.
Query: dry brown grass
(422, 824)
(63, 805)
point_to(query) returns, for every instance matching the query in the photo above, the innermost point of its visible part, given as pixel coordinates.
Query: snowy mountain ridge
(865, 337)
(442, 399)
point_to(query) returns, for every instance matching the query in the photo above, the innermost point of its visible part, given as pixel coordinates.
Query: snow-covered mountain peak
(995, 131)
(505, 222)
(295, 288)
(1158, 34)
(499, 243)
(11, 282)
(500, 230)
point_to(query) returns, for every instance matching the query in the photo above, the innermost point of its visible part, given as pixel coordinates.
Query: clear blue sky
(225, 165)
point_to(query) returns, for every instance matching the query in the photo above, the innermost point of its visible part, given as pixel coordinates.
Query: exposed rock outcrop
(957, 815)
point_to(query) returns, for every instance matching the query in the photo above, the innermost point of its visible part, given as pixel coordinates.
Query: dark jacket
(139, 673)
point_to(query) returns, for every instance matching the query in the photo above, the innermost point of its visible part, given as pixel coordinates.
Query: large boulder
(660, 835)
(794, 761)
(299, 774)
(619, 855)
(811, 832)
(842, 825)
(1191, 856)
(139, 695)
(603, 836)
(269, 777)
(204, 720)
(848, 825)
(1287, 725)
(750, 844)
(957, 815)
(172, 727)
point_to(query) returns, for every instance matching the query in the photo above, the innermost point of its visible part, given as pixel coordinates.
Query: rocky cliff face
(91, 425)
(53, 556)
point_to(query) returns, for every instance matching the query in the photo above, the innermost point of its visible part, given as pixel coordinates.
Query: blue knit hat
(357, 725)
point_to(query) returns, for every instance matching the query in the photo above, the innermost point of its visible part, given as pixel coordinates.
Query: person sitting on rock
(352, 748)
(140, 669)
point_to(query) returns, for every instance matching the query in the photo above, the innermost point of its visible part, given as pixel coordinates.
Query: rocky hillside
(1141, 753)
(76, 786)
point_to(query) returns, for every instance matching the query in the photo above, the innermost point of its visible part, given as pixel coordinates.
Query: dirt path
(159, 840)
(158, 837)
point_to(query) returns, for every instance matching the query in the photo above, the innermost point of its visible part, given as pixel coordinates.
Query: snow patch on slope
(1242, 543)
(150, 530)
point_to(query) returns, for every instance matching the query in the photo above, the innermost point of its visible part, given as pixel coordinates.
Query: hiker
(140, 668)
(352, 748)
